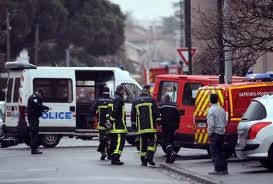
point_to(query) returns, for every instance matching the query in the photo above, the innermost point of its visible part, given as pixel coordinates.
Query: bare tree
(248, 32)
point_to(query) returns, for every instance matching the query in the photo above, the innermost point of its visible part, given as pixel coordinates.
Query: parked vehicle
(255, 132)
(183, 89)
(1, 125)
(70, 91)
(234, 98)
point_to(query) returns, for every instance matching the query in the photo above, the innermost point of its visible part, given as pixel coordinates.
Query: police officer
(119, 129)
(101, 107)
(35, 108)
(144, 116)
(170, 118)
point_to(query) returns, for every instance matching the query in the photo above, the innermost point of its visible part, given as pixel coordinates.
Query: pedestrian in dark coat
(35, 109)
(170, 119)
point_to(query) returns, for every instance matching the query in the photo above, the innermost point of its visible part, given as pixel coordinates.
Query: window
(168, 88)
(57, 90)
(255, 111)
(16, 90)
(131, 92)
(9, 91)
(189, 93)
(3, 83)
(85, 91)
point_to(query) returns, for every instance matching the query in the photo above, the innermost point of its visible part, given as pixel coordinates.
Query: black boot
(143, 161)
(115, 160)
(150, 157)
(103, 155)
(36, 152)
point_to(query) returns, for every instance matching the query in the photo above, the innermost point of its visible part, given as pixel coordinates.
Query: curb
(189, 174)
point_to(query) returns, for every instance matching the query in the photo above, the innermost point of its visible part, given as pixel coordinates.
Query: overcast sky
(147, 9)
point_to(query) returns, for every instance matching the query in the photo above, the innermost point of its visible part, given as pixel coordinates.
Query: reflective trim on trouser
(147, 142)
(117, 143)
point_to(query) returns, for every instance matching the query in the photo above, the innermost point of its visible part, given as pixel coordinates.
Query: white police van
(70, 92)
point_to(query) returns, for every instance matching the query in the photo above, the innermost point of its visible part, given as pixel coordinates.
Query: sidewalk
(249, 172)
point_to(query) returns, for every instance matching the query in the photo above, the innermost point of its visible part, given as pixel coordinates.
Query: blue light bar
(260, 77)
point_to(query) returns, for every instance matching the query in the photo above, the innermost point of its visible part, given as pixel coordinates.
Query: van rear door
(60, 96)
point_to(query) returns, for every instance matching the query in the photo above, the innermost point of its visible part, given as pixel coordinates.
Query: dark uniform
(35, 108)
(119, 129)
(101, 107)
(144, 116)
(170, 118)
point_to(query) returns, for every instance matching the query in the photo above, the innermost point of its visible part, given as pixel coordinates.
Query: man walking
(35, 109)
(170, 118)
(119, 129)
(144, 115)
(101, 107)
(216, 119)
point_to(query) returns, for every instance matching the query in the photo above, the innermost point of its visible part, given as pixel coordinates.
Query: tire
(131, 140)
(50, 141)
(268, 163)
(175, 149)
(27, 141)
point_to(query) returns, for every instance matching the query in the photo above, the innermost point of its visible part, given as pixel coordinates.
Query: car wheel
(268, 163)
(50, 141)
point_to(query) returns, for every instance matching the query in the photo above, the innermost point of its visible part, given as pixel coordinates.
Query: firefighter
(119, 129)
(101, 107)
(170, 118)
(35, 109)
(144, 116)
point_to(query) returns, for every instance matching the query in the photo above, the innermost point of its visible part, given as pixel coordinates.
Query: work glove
(108, 124)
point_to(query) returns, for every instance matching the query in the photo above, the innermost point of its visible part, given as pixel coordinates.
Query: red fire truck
(183, 89)
(234, 98)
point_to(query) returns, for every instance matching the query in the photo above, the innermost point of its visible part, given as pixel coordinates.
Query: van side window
(9, 91)
(131, 92)
(16, 90)
(57, 90)
(189, 93)
(168, 87)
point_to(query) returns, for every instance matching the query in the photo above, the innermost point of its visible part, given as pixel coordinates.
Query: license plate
(201, 125)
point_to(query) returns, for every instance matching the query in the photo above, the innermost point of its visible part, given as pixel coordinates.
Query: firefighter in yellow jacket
(101, 107)
(144, 116)
(118, 130)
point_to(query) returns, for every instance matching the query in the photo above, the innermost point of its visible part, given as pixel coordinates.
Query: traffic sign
(183, 52)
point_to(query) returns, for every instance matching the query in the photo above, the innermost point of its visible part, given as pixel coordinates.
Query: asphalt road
(76, 161)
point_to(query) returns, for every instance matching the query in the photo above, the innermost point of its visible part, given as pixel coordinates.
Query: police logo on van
(57, 115)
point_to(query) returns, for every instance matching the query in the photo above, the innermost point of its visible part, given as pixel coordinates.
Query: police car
(255, 132)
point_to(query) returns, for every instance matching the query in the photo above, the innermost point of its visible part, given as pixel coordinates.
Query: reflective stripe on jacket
(118, 115)
(145, 113)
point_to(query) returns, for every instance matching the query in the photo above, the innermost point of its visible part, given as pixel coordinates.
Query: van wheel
(50, 141)
(175, 149)
(27, 141)
(132, 140)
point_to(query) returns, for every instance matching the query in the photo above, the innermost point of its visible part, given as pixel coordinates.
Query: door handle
(72, 108)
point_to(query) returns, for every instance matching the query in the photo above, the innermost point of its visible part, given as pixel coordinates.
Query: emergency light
(260, 77)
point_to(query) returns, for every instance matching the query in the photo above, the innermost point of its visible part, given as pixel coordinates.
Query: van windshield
(255, 111)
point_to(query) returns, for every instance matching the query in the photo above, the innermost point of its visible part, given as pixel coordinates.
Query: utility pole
(36, 45)
(221, 56)
(8, 36)
(187, 9)
(228, 51)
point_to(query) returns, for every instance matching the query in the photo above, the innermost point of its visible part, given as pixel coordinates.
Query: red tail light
(254, 129)
(22, 113)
